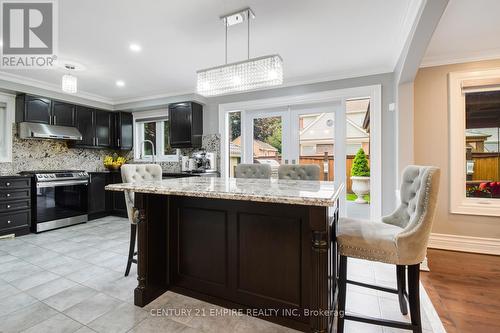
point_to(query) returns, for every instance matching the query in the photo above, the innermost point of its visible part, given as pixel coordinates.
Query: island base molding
(241, 255)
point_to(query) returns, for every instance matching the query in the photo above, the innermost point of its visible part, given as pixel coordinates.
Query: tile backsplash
(56, 155)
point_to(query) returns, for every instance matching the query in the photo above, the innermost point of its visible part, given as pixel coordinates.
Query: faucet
(141, 145)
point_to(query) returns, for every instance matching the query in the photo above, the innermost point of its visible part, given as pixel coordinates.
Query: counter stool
(400, 238)
(254, 171)
(299, 171)
(132, 173)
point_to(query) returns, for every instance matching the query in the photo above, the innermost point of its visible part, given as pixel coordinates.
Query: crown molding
(9, 77)
(460, 58)
(115, 104)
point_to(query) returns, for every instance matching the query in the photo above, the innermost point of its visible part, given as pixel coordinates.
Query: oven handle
(61, 183)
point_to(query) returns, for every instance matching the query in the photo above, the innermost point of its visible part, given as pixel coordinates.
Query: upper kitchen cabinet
(63, 114)
(85, 124)
(123, 133)
(103, 128)
(33, 109)
(186, 124)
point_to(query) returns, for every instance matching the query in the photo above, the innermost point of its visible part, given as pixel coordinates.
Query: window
(153, 138)
(475, 143)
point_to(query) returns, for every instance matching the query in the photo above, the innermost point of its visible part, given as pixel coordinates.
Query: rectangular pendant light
(261, 72)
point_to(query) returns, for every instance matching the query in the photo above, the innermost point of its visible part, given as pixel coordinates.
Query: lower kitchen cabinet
(101, 202)
(15, 205)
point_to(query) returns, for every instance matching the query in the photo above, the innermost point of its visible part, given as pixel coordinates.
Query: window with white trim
(475, 142)
(152, 136)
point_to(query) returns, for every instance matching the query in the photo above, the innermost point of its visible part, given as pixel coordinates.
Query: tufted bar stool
(400, 239)
(132, 173)
(255, 171)
(299, 172)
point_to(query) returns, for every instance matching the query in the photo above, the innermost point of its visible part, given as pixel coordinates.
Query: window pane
(235, 150)
(267, 142)
(167, 150)
(316, 131)
(149, 134)
(482, 133)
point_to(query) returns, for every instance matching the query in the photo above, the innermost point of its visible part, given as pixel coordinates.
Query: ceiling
(317, 39)
(468, 31)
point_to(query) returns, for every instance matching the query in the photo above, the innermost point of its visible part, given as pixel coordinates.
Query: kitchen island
(264, 247)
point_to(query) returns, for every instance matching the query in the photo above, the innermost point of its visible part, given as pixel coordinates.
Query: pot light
(69, 82)
(244, 75)
(135, 47)
(120, 83)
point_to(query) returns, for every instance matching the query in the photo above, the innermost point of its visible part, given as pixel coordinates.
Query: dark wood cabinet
(33, 109)
(99, 128)
(101, 202)
(123, 132)
(63, 114)
(15, 205)
(85, 124)
(103, 128)
(98, 196)
(186, 124)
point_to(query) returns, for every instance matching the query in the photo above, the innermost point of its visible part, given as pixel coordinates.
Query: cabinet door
(180, 125)
(37, 110)
(103, 126)
(97, 193)
(85, 124)
(118, 200)
(63, 114)
(125, 137)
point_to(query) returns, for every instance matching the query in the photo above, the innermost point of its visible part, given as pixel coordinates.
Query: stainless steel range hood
(44, 131)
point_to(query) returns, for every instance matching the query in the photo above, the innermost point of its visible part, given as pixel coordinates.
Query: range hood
(44, 131)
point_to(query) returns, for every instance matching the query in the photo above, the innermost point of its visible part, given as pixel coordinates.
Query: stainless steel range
(59, 198)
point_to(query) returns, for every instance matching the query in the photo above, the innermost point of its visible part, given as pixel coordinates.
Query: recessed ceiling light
(135, 47)
(120, 83)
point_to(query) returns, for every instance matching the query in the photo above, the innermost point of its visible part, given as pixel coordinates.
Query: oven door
(60, 200)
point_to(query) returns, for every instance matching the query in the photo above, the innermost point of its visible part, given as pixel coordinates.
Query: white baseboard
(465, 244)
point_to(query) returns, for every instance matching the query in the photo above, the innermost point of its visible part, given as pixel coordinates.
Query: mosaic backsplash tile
(56, 155)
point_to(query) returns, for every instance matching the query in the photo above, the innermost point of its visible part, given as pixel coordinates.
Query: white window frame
(459, 202)
(158, 116)
(6, 121)
(374, 92)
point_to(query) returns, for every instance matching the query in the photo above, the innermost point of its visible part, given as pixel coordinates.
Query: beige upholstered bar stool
(299, 171)
(400, 238)
(132, 173)
(255, 171)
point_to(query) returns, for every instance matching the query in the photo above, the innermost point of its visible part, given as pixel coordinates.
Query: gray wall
(211, 119)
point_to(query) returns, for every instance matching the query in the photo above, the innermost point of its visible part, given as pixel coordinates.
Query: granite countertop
(12, 174)
(302, 192)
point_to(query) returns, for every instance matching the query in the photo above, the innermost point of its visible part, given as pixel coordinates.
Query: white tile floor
(71, 280)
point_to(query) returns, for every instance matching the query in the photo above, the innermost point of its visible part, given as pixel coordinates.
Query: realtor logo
(29, 34)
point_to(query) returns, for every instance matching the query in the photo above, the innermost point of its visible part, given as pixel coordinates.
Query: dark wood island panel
(241, 255)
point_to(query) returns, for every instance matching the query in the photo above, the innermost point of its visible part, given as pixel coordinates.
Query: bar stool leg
(401, 278)
(131, 250)
(342, 293)
(414, 296)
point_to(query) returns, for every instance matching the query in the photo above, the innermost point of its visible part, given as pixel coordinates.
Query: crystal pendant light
(244, 75)
(69, 82)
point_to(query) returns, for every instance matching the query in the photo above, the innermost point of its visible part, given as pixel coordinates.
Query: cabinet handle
(97, 141)
(9, 221)
(118, 142)
(7, 184)
(54, 120)
(8, 195)
(8, 206)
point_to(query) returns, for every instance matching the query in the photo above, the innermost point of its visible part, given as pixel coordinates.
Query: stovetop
(35, 172)
(53, 175)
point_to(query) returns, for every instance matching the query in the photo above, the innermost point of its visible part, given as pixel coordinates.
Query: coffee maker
(204, 162)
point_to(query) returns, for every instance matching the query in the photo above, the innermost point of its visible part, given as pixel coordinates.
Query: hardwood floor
(465, 290)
